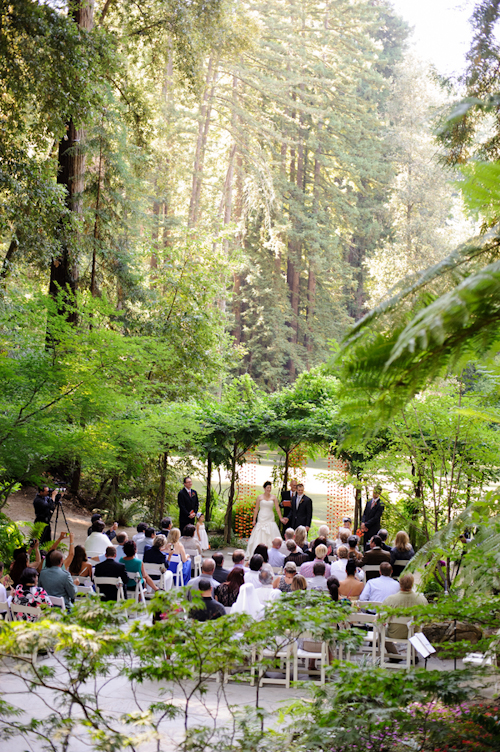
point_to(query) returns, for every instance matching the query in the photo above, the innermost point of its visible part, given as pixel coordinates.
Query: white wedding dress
(266, 528)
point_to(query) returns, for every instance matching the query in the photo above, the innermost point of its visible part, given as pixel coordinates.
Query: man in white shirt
(338, 567)
(318, 580)
(266, 592)
(276, 558)
(146, 541)
(97, 543)
(379, 588)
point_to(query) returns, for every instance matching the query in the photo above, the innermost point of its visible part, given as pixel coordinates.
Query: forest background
(197, 202)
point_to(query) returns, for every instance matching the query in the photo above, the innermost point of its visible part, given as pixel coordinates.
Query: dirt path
(20, 508)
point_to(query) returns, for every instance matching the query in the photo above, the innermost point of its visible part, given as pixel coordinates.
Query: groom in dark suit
(187, 499)
(370, 521)
(301, 509)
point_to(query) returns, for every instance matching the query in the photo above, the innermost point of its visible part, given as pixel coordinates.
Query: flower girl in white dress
(201, 533)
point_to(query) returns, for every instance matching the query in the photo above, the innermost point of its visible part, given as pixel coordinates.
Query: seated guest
(324, 532)
(266, 592)
(403, 598)
(133, 565)
(141, 529)
(350, 587)
(261, 549)
(207, 571)
(274, 555)
(21, 561)
(95, 517)
(191, 544)
(284, 581)
(289, 535)
(97, 542)
(210, 609)
(311, 551)
(80, 565)
(374, 556)
(379, 588)
(402, 550)
(383, 535)
(3, 592)
(353, 553)
(149, 536)
(333, 588)
(301, 538)
(165, 526)
(56, 581)
(247, 602)
(175, 548)
(239, 559)
(47, 563)
(227, 593)
(294, 554)
(306, 569)
(110, 568)
(154, 554)
(28, 593)
(338, 567)
(298, 583)
(252, 575)
(220, 574)
(121, 538)
(318, 580)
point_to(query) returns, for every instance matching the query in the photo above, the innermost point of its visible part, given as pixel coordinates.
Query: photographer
(44, 504)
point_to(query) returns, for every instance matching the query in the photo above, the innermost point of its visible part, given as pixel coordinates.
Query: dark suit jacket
(300, 516)
(371, 517)
(186, 504)
(220, 574)
(110, 568)
(375, 556)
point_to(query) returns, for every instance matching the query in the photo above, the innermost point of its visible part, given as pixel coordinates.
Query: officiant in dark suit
(300, 512)
(286, 502)
(187, 499)
(370, 521)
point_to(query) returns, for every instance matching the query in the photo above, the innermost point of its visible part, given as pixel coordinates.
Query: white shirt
(253, 577)
(3, 594)
(266, 594)
(337, 569)
(276, 558)
(142, 543)
(379, 588)
(96, 544)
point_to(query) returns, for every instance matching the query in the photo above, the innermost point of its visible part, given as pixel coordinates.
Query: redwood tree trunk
(71, 174)
(208, 500)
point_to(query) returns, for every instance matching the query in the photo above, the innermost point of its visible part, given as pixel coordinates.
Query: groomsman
(301, 510)
(187, 499)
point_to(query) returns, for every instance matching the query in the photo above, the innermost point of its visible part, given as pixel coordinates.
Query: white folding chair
(179, 575)
(311, 653)
(138, 593)
(17, 612)
(283, 653)
(228, 609)
(4, 610)
(409, 659)
(371, 568)
(400, 563)
(58, 602)
(115, 581)
(370, 638)
(155, 570)
(197, 565)
(83, 590)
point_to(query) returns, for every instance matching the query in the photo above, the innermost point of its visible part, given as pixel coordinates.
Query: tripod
(60, 507)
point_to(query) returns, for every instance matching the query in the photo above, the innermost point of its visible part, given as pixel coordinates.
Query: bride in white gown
(266, 528)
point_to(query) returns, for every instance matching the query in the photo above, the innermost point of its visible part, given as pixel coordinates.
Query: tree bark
(6, 263)
(203, 128)
(71, 174)
(208, 498)
(159, 509)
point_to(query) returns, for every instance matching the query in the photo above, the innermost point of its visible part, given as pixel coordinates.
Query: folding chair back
(197, 565)
(154, 570)
(58, 602)
(17, 612)
(4, 610)
(409, 660)
(115, 581)
(83, 590)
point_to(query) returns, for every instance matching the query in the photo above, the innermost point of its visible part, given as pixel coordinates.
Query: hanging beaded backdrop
(339, 498)
(245, 496)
